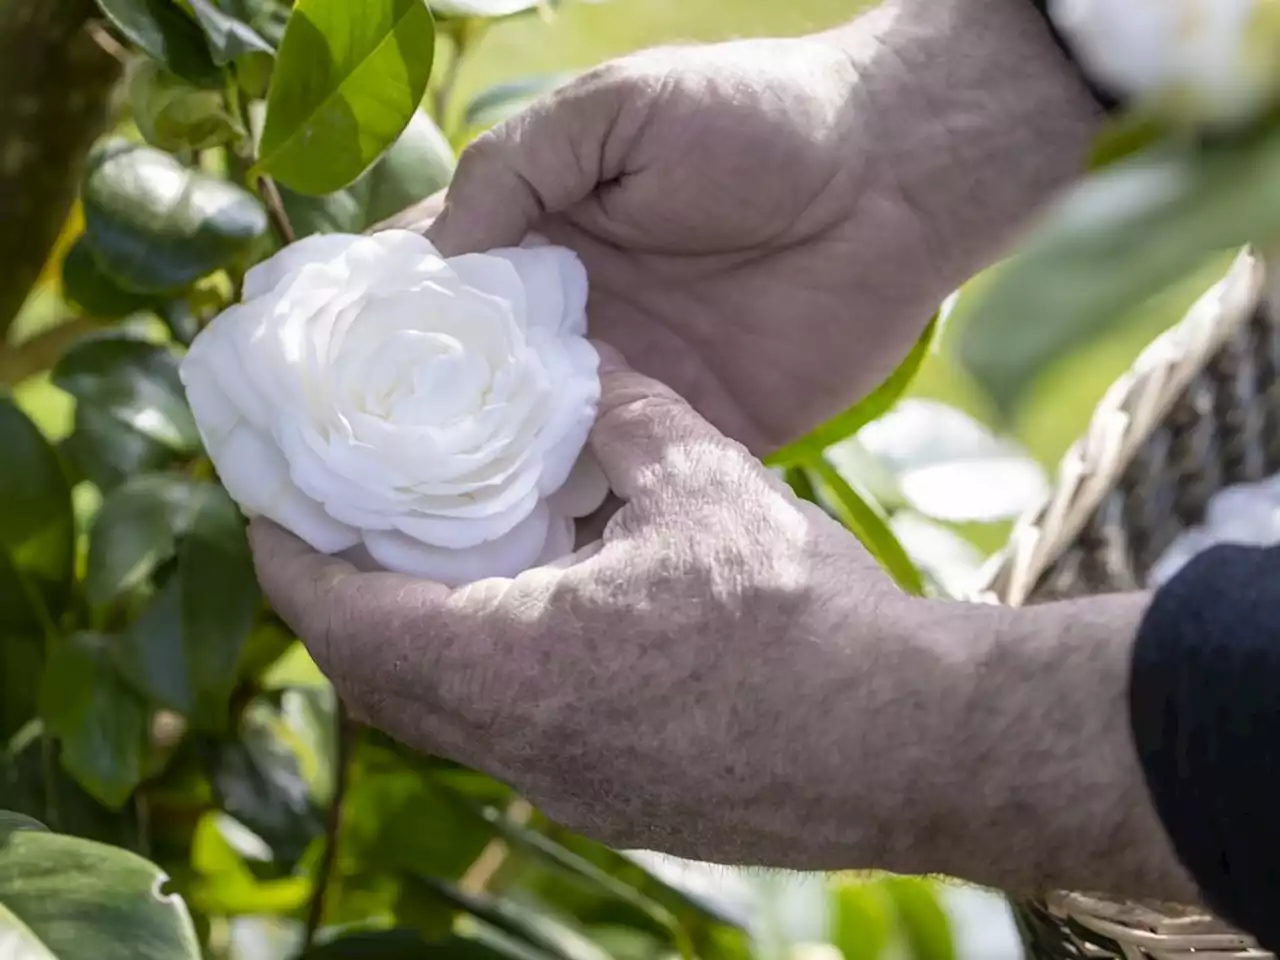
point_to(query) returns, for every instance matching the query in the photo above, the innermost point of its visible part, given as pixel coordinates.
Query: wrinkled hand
(699, 681)
(737, 215)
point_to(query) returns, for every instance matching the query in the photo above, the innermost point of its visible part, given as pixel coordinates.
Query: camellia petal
(378, 399)
(263, 278)
(504, 557)
(585, 490)
(555, 285)
(256, 476)
(560, 537)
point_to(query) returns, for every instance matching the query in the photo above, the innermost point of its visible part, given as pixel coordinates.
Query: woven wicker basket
(1198, 411)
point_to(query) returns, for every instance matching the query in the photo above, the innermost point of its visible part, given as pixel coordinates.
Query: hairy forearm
(1039, 784)
(983, 119)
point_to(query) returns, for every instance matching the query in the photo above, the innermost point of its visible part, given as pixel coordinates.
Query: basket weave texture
(1198, 411)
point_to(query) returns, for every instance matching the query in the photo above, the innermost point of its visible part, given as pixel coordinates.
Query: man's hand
(689, 683)
(769, 224)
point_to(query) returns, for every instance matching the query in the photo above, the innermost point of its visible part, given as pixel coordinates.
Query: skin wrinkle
(730, 676)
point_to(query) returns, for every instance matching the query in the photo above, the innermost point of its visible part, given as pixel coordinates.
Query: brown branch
(38, 353)
(346, 738)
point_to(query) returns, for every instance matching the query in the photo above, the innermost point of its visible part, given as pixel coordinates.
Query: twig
(109, 44)
(39, 352)
(492, 858)
(346, 736)
(275, 208)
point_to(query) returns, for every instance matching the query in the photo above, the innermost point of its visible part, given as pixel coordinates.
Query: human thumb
(640, 424)
(543, 160)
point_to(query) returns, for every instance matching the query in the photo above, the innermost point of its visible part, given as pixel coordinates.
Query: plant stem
(464, 39)
(275, 208)
(346, 736)
(38, 353)
(485, 867)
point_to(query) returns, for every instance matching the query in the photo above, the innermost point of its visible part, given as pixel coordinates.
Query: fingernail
(611, 359)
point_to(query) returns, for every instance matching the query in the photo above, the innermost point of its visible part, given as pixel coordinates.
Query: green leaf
(136, 530)
(37, 524)
(862, 919)
(591, 875)
(86, 285)
(257, 778)
(228, 36)
(155, 226)
(347, 81)
(224, 883)
(868, 524)
(106, 452)
(173, 115)
(134, 381)
(863, 412)
(1124, 234)
(497, 103)
(184, 649)
(922, 922)
(420, 163)
(402, 944)
(62, 898)
(100, 722)
(161, 30)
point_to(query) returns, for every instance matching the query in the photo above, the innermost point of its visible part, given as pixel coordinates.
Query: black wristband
(1110, 103)
(1204, 702)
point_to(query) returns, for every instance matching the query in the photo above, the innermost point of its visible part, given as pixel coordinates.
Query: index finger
(353, 623)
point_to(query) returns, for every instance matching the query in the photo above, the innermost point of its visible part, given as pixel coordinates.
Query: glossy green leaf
(258, 779)
(136, 530)
(173, 115)
(347, 81)
(88, 287)
(228, 36)
(922, 921)
(37, 525)
(868, 523)
(63, 898)
(862, 920)
(100, 723)
(185, 647)
(1122, 235)
(134, 381)
(161, 30)
(106, 451)
(156, 226)
(21, 658)
(420, 163)
(497, 103)
(873, 405)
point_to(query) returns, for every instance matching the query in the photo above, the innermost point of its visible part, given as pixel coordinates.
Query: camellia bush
(176, 778)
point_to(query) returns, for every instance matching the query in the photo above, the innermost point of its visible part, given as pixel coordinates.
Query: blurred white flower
(942, 463)
(1209, 62)
(1247, 514)
(414, 413)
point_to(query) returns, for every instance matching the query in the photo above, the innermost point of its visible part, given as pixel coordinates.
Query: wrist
(984, 118)
(1052, 782)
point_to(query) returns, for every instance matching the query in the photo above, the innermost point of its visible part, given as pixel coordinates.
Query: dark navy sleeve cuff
(1109, 102)
(1204, 700)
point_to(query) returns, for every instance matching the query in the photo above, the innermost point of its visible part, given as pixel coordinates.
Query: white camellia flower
(1207, 61)
(414, 413)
